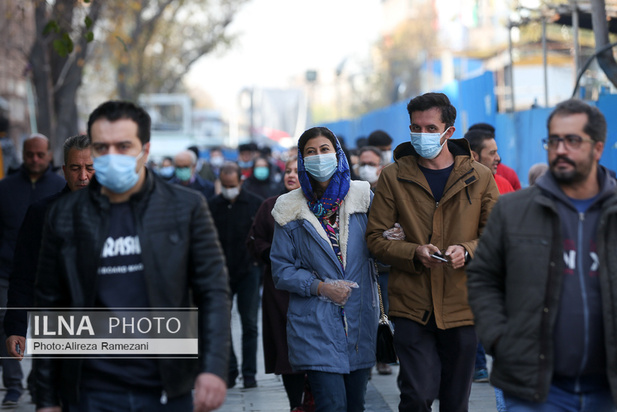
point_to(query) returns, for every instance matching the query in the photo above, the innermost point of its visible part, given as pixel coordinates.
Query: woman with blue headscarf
(319, 255)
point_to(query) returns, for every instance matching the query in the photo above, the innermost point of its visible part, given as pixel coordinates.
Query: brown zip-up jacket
(404, 196)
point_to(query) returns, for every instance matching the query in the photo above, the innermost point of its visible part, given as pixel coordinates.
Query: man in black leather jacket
(178, 261)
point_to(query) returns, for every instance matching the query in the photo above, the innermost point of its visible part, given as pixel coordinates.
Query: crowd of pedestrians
(468, 263)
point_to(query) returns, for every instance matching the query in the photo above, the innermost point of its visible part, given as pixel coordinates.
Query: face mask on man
(183, 173)
(386, 157)
(167, 172)
(245, 165)
(217, 161)
(321, 167)
(427, 144)
(117, 172)
(368, 173)
(230, 193)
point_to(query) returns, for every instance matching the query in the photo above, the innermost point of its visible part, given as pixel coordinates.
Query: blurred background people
(535, 172)
(185, 174)
(383, 142)
(166, 168)
(233, 212)
(246, 157)
(275, 302)
(262, 180)
(502, 169)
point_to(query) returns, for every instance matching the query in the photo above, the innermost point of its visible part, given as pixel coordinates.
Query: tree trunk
(41, 76)
(606, 60)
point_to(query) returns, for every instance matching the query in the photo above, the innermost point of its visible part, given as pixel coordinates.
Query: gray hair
(79, 142)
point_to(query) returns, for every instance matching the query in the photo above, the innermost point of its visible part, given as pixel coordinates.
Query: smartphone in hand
(439, 257)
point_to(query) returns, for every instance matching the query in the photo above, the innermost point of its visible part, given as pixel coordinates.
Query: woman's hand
(338, 291)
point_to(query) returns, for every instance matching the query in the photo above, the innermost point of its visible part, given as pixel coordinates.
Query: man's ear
(476, 156)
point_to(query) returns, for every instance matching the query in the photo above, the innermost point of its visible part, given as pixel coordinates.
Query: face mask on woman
(321, 167)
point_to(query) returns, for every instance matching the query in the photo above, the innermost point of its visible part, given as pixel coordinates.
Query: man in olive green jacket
(442, 198)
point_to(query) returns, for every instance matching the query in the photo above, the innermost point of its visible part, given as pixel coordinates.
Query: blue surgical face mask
(245, 165)
(117, 172)
(183, 173)
(261, 172)
(427, 144)
(321, 167)
(167, 172)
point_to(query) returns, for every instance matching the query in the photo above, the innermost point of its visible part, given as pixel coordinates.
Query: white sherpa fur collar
(292, 206)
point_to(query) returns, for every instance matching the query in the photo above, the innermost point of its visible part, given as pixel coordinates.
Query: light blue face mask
(245, 165)
(116, 172)
(261, 172)
(321, 167)
(427, 144)
(166, 172)
(183, 173)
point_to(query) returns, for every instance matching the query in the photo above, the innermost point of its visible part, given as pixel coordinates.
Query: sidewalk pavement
(382, 393)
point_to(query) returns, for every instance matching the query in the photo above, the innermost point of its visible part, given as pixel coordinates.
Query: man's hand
(210, 392)
(50, 409)
(456, 255)
(11, 346)
(423, 254)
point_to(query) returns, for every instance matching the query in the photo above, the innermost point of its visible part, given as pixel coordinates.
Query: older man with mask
(175, 261)
(185, 164)
(34, 181)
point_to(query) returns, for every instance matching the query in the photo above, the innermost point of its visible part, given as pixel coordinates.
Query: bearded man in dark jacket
(175, 261)
(542, 282)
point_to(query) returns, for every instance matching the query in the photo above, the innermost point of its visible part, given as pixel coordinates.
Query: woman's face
(291, 175)
(317, 146)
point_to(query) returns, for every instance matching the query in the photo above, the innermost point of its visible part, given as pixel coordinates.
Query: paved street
(382, 392)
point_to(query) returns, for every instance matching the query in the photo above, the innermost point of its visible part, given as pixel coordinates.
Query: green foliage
(64, 45)
(51, 26)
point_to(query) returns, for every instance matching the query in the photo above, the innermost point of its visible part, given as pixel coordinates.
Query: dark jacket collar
(94, 190)
(550, 187)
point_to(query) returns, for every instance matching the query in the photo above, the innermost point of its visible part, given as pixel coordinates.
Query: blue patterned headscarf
(337, 188)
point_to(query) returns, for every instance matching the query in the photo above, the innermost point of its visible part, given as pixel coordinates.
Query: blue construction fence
(519, 135)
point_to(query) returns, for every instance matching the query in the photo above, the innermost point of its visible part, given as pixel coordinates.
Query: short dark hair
(316, 132)
(484, 127)
(476, 139)
(230, 168)
(379, 138)
(79, 142)
(117, 109)
(194, 149)
(428, 101)
(370, 149)
(247, 147)
(596, 122)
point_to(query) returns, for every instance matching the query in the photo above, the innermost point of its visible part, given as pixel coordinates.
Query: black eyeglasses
(572, 141)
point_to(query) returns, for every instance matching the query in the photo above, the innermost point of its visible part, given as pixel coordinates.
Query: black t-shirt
(121, 284)
(437, 179)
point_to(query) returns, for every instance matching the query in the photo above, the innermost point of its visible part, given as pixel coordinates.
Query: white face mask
(368, 173)
(386, 157)
(230, 193)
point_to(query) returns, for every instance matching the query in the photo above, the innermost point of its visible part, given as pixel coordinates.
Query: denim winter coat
(301, 256)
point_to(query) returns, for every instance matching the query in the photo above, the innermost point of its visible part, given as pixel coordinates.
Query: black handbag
(385, 336)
